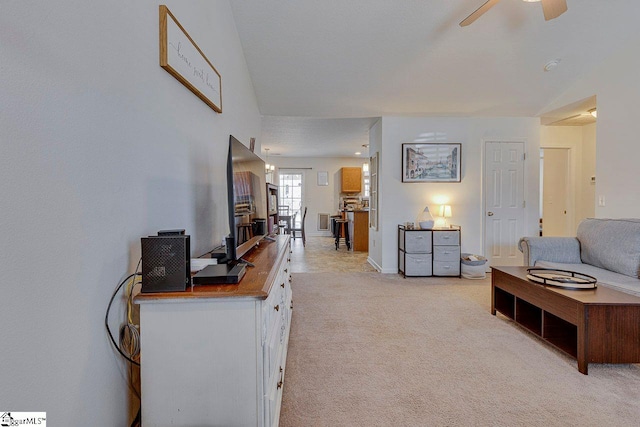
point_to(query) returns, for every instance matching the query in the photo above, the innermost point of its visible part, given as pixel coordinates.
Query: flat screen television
(247, 201)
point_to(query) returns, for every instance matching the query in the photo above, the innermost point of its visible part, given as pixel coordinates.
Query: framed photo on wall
(437, 162)
(323, 178)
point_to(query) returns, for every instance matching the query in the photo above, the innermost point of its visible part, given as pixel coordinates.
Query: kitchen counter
(359, 229)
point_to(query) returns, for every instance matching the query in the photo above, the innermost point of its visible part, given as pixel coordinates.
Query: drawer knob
(286, 270)
(277, 307)
(282, 285)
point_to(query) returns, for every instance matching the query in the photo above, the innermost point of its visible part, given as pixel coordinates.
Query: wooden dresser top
(256, 283)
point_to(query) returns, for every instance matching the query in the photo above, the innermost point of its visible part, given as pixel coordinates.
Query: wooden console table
(599, 325)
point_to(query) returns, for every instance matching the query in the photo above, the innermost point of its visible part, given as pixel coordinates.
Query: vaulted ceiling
(357, 59)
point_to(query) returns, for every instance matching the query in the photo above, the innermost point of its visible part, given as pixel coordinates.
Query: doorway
(503, 201)
(555, 173)
(290, 192)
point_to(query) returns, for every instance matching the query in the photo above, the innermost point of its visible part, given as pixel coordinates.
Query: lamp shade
(425, 219)
(445, 211)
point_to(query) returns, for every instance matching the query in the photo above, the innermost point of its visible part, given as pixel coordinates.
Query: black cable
(106, 317)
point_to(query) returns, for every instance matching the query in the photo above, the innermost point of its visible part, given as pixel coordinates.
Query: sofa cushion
(613, 244)
(617, 281)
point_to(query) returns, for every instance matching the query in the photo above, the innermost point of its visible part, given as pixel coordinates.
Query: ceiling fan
(550, 8)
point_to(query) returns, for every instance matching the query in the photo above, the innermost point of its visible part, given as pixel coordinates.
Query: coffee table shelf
(593, 326)
(552, 329)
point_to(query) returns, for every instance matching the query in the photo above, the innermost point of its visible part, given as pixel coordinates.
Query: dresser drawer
(417, 242)
(272, 308)
(446, 268)
(446, 237)
(272, 355)
(272, 399)
(416, 264)
(446, 253)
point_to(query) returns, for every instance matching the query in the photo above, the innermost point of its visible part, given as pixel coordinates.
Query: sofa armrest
(553, 249)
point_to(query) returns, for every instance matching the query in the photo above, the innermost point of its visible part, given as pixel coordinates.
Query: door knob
(489, 213)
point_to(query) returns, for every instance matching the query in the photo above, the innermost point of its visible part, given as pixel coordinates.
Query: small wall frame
(323, 178)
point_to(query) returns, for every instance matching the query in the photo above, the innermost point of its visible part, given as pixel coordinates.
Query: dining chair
(301, 229)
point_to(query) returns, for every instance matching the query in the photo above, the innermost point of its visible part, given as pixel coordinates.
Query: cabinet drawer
(272, 309)
(416, 264)
(272, 400)
(272, 352)
(446, 268)
(446, 253)
(446, 237)
(417, 242)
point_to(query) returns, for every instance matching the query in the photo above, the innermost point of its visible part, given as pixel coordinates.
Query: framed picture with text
(181, 57)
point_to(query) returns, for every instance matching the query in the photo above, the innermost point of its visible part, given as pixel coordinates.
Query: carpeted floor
(368, 349)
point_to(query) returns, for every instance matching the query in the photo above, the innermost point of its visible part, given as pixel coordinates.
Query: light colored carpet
(368, 349)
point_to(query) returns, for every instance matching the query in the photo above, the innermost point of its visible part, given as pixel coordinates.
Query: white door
(504, 202)
(555, 195)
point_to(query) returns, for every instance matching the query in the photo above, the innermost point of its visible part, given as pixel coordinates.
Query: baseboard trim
(374, 264)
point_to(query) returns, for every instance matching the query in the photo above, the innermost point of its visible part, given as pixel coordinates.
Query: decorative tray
(561, 278)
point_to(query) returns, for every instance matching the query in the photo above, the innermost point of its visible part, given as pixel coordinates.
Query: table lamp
(445, 212)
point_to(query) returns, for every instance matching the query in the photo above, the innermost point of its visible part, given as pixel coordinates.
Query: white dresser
(430, 252)
(215, 354)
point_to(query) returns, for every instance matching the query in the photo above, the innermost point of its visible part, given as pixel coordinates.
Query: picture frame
(181, 57)
(431, 162)
(323, 178)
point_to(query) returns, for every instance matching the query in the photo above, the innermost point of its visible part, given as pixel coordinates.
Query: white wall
(99, 147)
(401, 202)
(615, 84)
(318, 199)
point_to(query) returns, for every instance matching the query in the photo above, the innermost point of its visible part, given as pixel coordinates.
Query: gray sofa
(607, 249)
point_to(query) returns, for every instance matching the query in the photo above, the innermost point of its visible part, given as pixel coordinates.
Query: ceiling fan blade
(479, 12)
(553, 8)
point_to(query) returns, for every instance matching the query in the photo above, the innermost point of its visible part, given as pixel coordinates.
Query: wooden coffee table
(599, 325)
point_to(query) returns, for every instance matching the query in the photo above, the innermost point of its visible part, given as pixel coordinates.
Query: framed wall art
(438, 162)
(323, 178)
(181, 57)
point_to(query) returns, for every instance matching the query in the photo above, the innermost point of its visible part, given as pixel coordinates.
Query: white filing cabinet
(430, 252)
(215, 355)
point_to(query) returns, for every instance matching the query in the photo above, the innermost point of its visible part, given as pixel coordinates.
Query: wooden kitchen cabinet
(351, 180)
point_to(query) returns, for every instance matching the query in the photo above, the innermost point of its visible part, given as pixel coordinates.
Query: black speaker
(166, 263)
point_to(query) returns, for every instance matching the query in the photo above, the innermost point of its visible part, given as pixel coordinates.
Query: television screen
(247, 197)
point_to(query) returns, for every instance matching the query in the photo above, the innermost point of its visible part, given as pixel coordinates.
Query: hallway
(320, 255)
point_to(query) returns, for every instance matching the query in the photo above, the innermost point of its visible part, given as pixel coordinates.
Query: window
(290, 193)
